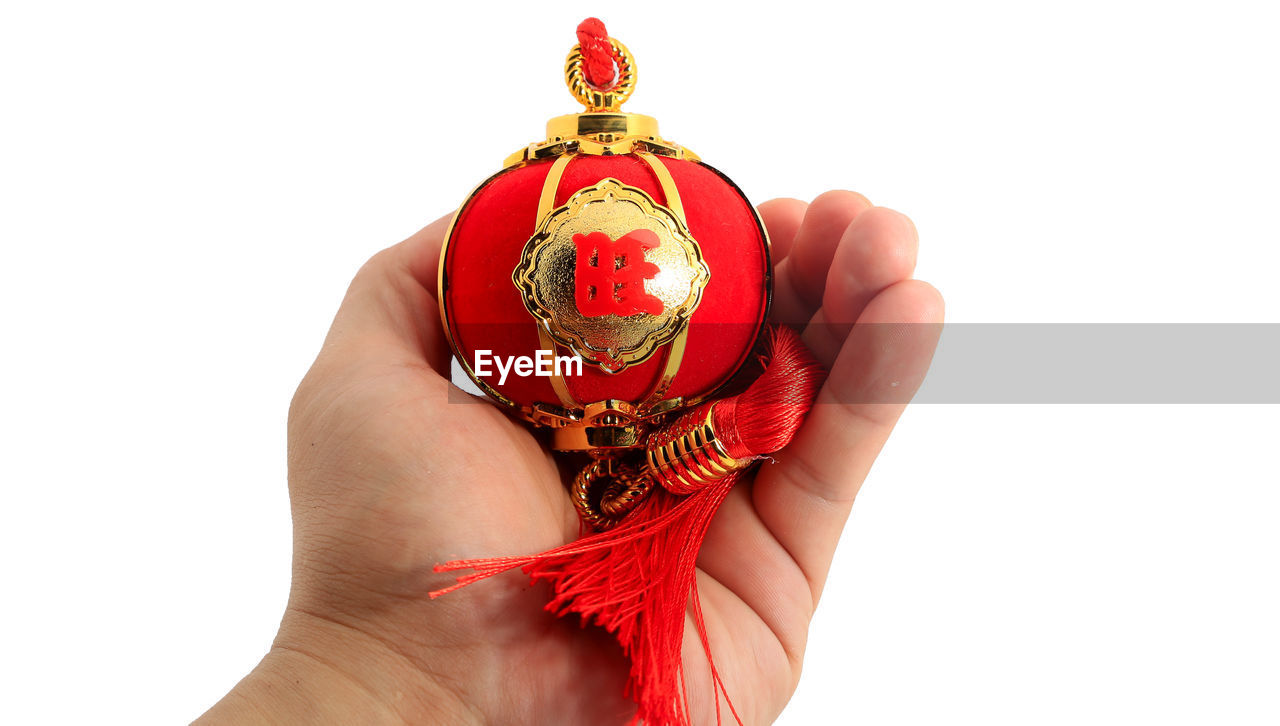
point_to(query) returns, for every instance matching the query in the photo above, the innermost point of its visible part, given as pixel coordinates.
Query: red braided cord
(597, 55)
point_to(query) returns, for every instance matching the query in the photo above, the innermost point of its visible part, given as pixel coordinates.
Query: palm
(391, 472)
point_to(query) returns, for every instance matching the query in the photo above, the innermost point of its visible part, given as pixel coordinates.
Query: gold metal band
(673, 355)
(547, 200)
(546, 203)
(669, 189)
(623, 491)
(691, 457)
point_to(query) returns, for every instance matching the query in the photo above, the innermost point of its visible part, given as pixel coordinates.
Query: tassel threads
(765, 417)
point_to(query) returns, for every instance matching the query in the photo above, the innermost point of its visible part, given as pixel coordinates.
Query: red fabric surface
(485, 310)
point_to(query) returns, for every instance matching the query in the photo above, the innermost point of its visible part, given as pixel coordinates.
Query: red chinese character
(610, 275)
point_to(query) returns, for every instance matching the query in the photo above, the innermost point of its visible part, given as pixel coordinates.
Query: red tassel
(638, 579)
(763, 418)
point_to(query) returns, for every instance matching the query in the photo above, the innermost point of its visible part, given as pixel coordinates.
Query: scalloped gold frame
(612, 342)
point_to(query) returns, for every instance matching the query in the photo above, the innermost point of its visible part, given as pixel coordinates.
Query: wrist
(320, 671)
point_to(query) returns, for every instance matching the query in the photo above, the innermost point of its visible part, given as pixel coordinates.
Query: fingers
(877, 250)
(804, 499)
(782, 218)
(799, 278)
(742, 554)
(390, 312)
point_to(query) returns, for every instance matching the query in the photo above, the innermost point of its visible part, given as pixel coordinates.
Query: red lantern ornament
(610, 286)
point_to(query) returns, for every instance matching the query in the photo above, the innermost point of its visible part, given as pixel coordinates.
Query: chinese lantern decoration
(608, 285)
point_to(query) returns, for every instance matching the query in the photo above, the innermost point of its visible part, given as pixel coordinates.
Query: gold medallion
(612, 275)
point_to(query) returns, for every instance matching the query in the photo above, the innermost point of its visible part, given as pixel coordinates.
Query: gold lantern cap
(603, 129)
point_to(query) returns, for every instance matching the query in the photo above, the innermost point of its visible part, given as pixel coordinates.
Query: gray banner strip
(1090, 363)
(1105, 363)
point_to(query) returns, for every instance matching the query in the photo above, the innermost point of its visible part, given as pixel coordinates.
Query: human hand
(387, 478)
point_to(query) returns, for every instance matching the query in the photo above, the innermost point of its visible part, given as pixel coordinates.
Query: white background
(186, 189)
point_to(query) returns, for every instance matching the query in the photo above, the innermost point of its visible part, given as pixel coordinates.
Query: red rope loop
(598, 63)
